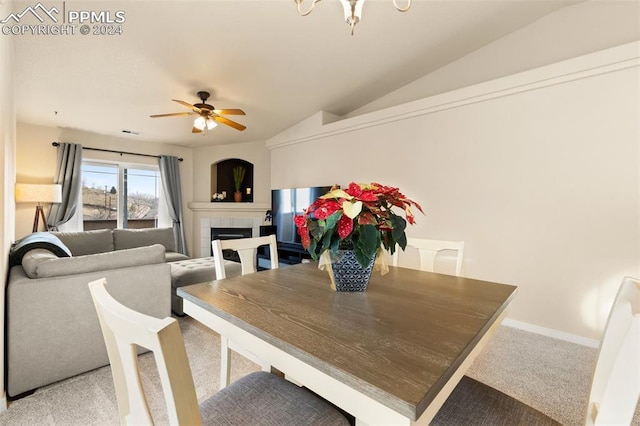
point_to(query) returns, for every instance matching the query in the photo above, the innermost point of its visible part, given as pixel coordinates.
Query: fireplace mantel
(198, 206)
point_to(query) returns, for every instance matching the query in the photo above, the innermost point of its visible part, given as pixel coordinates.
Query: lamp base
(36, 218)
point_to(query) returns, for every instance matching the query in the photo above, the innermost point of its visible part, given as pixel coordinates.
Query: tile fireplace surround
(227, 215)
(224, 222)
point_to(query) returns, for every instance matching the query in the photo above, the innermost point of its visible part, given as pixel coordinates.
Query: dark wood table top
(398, 342)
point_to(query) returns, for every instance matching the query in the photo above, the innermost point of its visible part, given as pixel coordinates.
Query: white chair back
(247, 250)
(615, 387)
(429, 249)
(123, 329)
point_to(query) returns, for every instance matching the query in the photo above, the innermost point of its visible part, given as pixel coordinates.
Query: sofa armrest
(52, 327)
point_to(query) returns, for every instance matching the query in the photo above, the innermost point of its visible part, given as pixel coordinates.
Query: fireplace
(230, 234)
(226, 223)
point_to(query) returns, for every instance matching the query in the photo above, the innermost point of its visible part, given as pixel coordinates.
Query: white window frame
(163, 219)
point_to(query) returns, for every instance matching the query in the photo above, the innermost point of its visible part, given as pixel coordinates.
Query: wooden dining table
(388, 356)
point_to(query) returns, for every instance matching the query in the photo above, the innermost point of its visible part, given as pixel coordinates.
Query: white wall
(36, 163)
(540, 180)
(7, 172)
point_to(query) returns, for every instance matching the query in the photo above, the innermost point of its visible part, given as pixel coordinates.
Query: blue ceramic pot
(349, 275)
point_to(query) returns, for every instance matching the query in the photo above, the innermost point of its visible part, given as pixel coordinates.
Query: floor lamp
(38, 193)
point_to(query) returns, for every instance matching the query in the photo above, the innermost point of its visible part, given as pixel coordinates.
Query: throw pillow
(32, 259)
(100, 261)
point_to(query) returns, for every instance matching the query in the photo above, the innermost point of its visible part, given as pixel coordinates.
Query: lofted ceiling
(260, 56)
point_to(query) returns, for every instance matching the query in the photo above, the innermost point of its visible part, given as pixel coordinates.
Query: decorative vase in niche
(237, 196)
(348, 274)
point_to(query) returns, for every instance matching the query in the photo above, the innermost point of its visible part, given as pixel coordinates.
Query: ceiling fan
(208, 116)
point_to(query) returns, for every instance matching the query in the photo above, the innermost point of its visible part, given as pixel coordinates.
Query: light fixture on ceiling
(201, 123)
(352, 9)
(207, 117)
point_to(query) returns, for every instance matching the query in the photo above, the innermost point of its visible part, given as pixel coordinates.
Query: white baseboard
(3, 403)
(549, 332)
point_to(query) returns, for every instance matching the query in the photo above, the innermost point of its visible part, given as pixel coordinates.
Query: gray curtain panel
(67, 175)
(170, 175)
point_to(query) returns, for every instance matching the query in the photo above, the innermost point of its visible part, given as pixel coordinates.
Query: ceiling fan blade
(188, 105)
(196, 130)
(229, 111)
(228, 122)
(173, 114)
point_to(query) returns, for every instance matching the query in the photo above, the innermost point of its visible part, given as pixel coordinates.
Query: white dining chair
(615, 386)
(247, 251)
(429, 249)
(258, 398)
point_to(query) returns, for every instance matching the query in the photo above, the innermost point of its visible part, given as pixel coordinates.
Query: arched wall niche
(222, 180)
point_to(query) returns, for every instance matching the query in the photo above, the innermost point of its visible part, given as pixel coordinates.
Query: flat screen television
(285, 204)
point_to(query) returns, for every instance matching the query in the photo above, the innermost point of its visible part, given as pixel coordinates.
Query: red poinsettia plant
(360, 218)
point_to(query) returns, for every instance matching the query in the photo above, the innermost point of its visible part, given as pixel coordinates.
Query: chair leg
(225, 362)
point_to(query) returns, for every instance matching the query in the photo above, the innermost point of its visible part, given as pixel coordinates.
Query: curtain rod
(116, 152)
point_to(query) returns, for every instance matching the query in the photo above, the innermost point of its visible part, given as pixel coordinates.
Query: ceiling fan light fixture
(207, 117)
(352, 9)
(200, 123)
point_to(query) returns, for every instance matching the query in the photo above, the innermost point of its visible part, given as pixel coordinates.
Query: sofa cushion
(192, 271)
(32, 259)
(87, 242)
(132, 238)
(42, 265)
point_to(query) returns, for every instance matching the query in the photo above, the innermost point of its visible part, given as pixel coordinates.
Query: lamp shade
(38, 193)
(211, 124)
(199, 123)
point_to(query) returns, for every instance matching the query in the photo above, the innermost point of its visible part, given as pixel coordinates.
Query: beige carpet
(550, 375)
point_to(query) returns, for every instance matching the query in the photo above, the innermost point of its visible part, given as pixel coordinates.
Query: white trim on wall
(549, 332)
(322, 125)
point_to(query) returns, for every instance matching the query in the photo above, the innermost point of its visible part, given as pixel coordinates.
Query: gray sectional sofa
(52, 331)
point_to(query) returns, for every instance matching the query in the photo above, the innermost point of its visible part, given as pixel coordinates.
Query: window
(107, 187)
